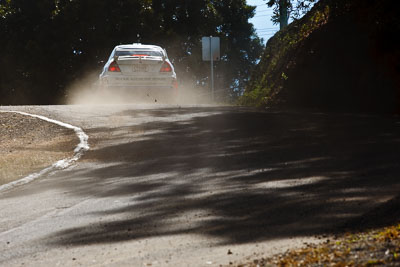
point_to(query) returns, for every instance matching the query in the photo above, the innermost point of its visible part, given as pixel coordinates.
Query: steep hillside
(343, 55)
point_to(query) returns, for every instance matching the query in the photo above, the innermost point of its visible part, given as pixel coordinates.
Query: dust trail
(81, 148)
(87, 91)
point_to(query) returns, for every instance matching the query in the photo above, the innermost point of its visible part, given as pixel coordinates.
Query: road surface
(198, 186)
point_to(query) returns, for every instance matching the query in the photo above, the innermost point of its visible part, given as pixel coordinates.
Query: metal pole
(212, 72)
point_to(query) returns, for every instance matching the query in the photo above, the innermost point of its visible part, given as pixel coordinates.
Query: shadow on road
(240, 177)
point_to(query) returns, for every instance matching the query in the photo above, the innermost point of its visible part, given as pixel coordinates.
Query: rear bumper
(140, 88)
(147, 80)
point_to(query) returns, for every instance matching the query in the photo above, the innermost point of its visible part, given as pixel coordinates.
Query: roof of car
(137, 45)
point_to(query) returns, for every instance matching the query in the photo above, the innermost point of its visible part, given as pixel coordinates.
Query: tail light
(114, 67)
(166, 67)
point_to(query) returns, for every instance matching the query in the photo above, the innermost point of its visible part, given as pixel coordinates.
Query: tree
(48, 44)
(283, 9)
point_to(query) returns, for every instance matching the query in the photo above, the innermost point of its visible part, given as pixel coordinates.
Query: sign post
(211, 52)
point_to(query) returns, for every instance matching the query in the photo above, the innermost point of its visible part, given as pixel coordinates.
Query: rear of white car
(142, 71)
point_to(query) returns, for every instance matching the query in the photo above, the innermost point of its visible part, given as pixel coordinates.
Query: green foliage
(5, 9)
(342, 55)
(257, 97)
(272, 71)
(48, 44)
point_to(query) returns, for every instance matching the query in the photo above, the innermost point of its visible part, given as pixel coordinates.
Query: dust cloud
(88, 91)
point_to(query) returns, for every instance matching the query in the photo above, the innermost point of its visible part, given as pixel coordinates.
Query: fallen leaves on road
(379, 247)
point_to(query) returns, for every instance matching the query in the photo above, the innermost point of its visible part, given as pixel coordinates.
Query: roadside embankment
(28, 145)
(341, 56)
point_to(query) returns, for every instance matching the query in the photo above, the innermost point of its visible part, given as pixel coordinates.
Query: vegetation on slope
(343, 55)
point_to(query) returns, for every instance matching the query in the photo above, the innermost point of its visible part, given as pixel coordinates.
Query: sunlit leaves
(5, 8)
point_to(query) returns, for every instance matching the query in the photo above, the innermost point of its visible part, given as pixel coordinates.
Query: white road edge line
(81, 148)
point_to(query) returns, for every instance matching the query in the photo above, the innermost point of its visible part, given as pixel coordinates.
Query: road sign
(210, 47)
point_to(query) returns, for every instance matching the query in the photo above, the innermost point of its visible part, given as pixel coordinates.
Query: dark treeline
(48, 44)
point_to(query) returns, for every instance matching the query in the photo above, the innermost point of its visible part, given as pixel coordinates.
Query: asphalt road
(200, 186)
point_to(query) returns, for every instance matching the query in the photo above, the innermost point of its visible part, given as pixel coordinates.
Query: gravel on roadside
(377, 247)
(29, 144)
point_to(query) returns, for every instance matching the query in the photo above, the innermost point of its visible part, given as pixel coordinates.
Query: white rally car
(142, 71)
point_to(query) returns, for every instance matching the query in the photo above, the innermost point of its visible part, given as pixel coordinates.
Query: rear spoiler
(117, 57)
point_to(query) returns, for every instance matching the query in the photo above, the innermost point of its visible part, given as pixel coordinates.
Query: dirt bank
(29, 144)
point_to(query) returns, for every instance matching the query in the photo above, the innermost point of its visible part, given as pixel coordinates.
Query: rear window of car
(142, 53)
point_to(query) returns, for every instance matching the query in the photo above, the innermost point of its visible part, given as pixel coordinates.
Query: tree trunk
(283, 13)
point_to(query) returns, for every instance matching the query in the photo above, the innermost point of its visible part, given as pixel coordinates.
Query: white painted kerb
(61, 164)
